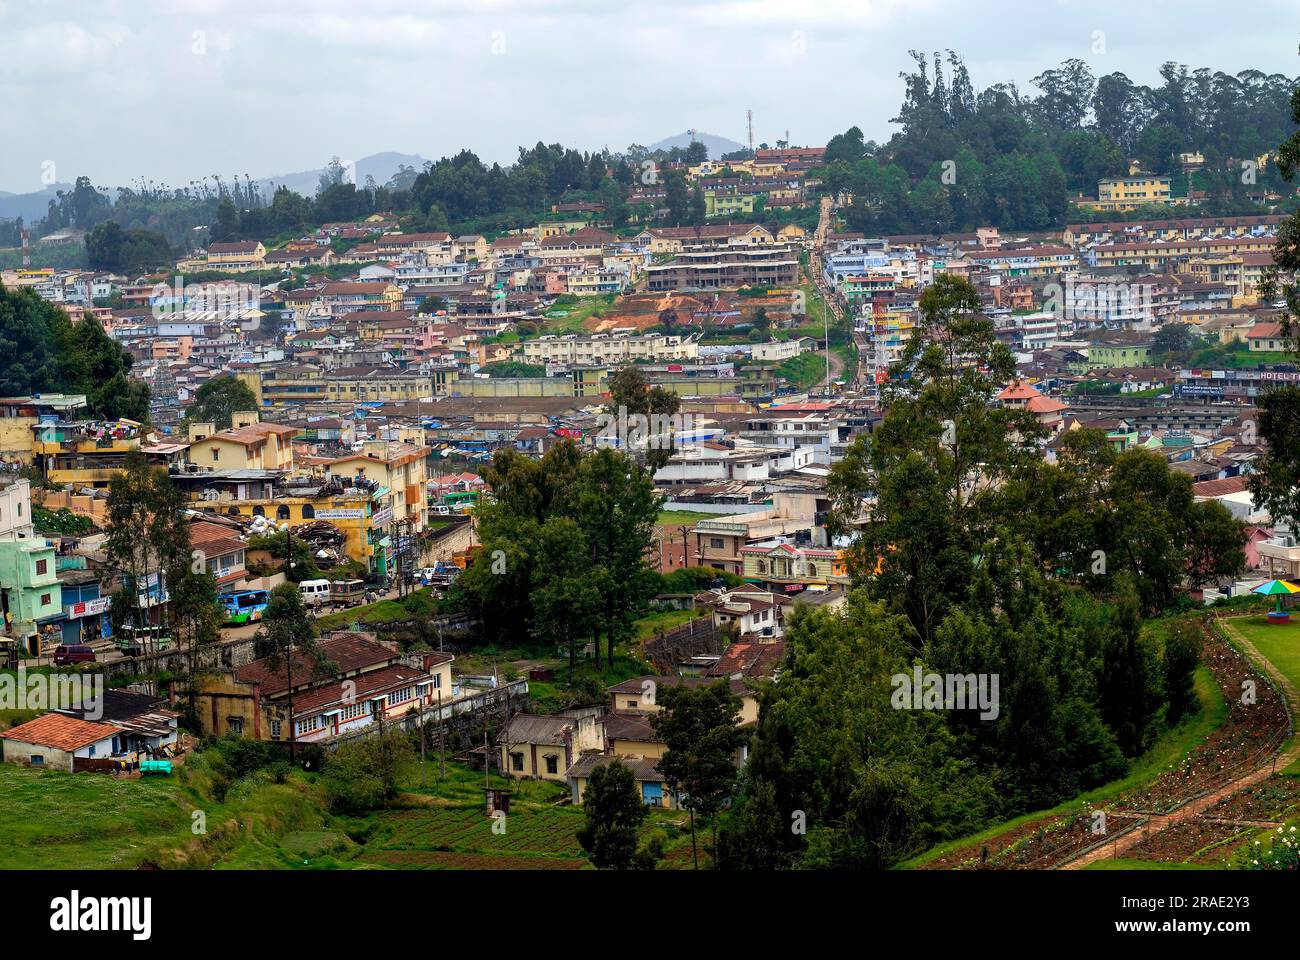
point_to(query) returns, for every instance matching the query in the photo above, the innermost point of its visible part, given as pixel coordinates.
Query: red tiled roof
(348, 651)
(358, 688)
(1018, 390)
(1219, 488)
(61, 732)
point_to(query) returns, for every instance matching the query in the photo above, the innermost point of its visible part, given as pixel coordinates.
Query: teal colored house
(31, 596)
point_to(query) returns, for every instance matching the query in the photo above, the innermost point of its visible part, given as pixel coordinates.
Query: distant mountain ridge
(30, 206)
(33, 206)
(381, 166)
(716, 145)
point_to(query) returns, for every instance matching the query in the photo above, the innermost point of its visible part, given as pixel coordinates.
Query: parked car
(66, 654)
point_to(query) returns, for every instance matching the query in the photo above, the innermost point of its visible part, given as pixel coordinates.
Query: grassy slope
(53, 820)
(1166, 752)
(804, 371)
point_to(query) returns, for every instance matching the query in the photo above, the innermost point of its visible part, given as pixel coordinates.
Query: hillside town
(814, 503)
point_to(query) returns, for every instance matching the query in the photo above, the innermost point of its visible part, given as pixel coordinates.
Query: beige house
(544, 748)
(247, 445)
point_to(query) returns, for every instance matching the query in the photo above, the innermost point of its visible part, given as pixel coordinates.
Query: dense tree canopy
(564, 543)
(964, 158)
(218, 399)
(42, 351)
(975, 558)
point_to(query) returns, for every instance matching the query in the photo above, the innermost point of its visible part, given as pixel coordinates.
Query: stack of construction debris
(326, 540)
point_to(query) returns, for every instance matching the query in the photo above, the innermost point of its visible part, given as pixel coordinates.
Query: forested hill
(1014, 159)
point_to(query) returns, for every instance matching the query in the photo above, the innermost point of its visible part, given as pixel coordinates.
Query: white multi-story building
(15, 509)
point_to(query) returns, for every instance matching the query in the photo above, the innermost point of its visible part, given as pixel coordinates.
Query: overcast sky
(177, 89)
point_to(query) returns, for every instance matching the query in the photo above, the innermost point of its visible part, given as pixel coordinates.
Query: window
(258, 511)
(516, 761)
(216, 454)
(45, 599)
(308, 511)
(37, 760)
(552, 763)
(41, 567)
(236, 725)
(282, 512)
(275, 729)
(631, 704)
(715, 543)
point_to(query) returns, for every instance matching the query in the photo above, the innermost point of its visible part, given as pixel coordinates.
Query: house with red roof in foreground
(56, 740)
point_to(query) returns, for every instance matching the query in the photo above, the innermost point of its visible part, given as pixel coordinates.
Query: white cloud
(283, 84)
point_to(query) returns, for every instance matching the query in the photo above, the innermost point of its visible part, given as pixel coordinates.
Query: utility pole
(442, 756)
(423, 780)
(288, 654)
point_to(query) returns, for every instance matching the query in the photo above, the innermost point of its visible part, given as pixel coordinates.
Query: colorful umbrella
(1276, 588)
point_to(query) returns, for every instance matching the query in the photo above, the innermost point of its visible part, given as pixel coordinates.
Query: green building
(30, 593)
(1119, 349)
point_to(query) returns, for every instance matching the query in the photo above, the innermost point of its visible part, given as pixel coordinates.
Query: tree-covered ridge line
(1016, 159)
(999, 157)
(456, 190)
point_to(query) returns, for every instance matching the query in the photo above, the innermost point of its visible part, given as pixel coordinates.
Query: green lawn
(444, 826)
(1280, 645)
(55, 820)
(77, 821)
(663, 621)
(382, 611)
(571, 317)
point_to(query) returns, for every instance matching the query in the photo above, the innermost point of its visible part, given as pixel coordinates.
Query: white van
(314, 592)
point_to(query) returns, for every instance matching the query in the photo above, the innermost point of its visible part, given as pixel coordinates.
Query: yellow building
(722, 204)
(235, 257)
(778, 563)
(20, 416)
(641, 695)
(1158, 254)
(397, 467)
(86, 454)
(247, 445)
(373, 683)
(294, 385)
(362, 515)
(1129, 193)
(545, 747)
